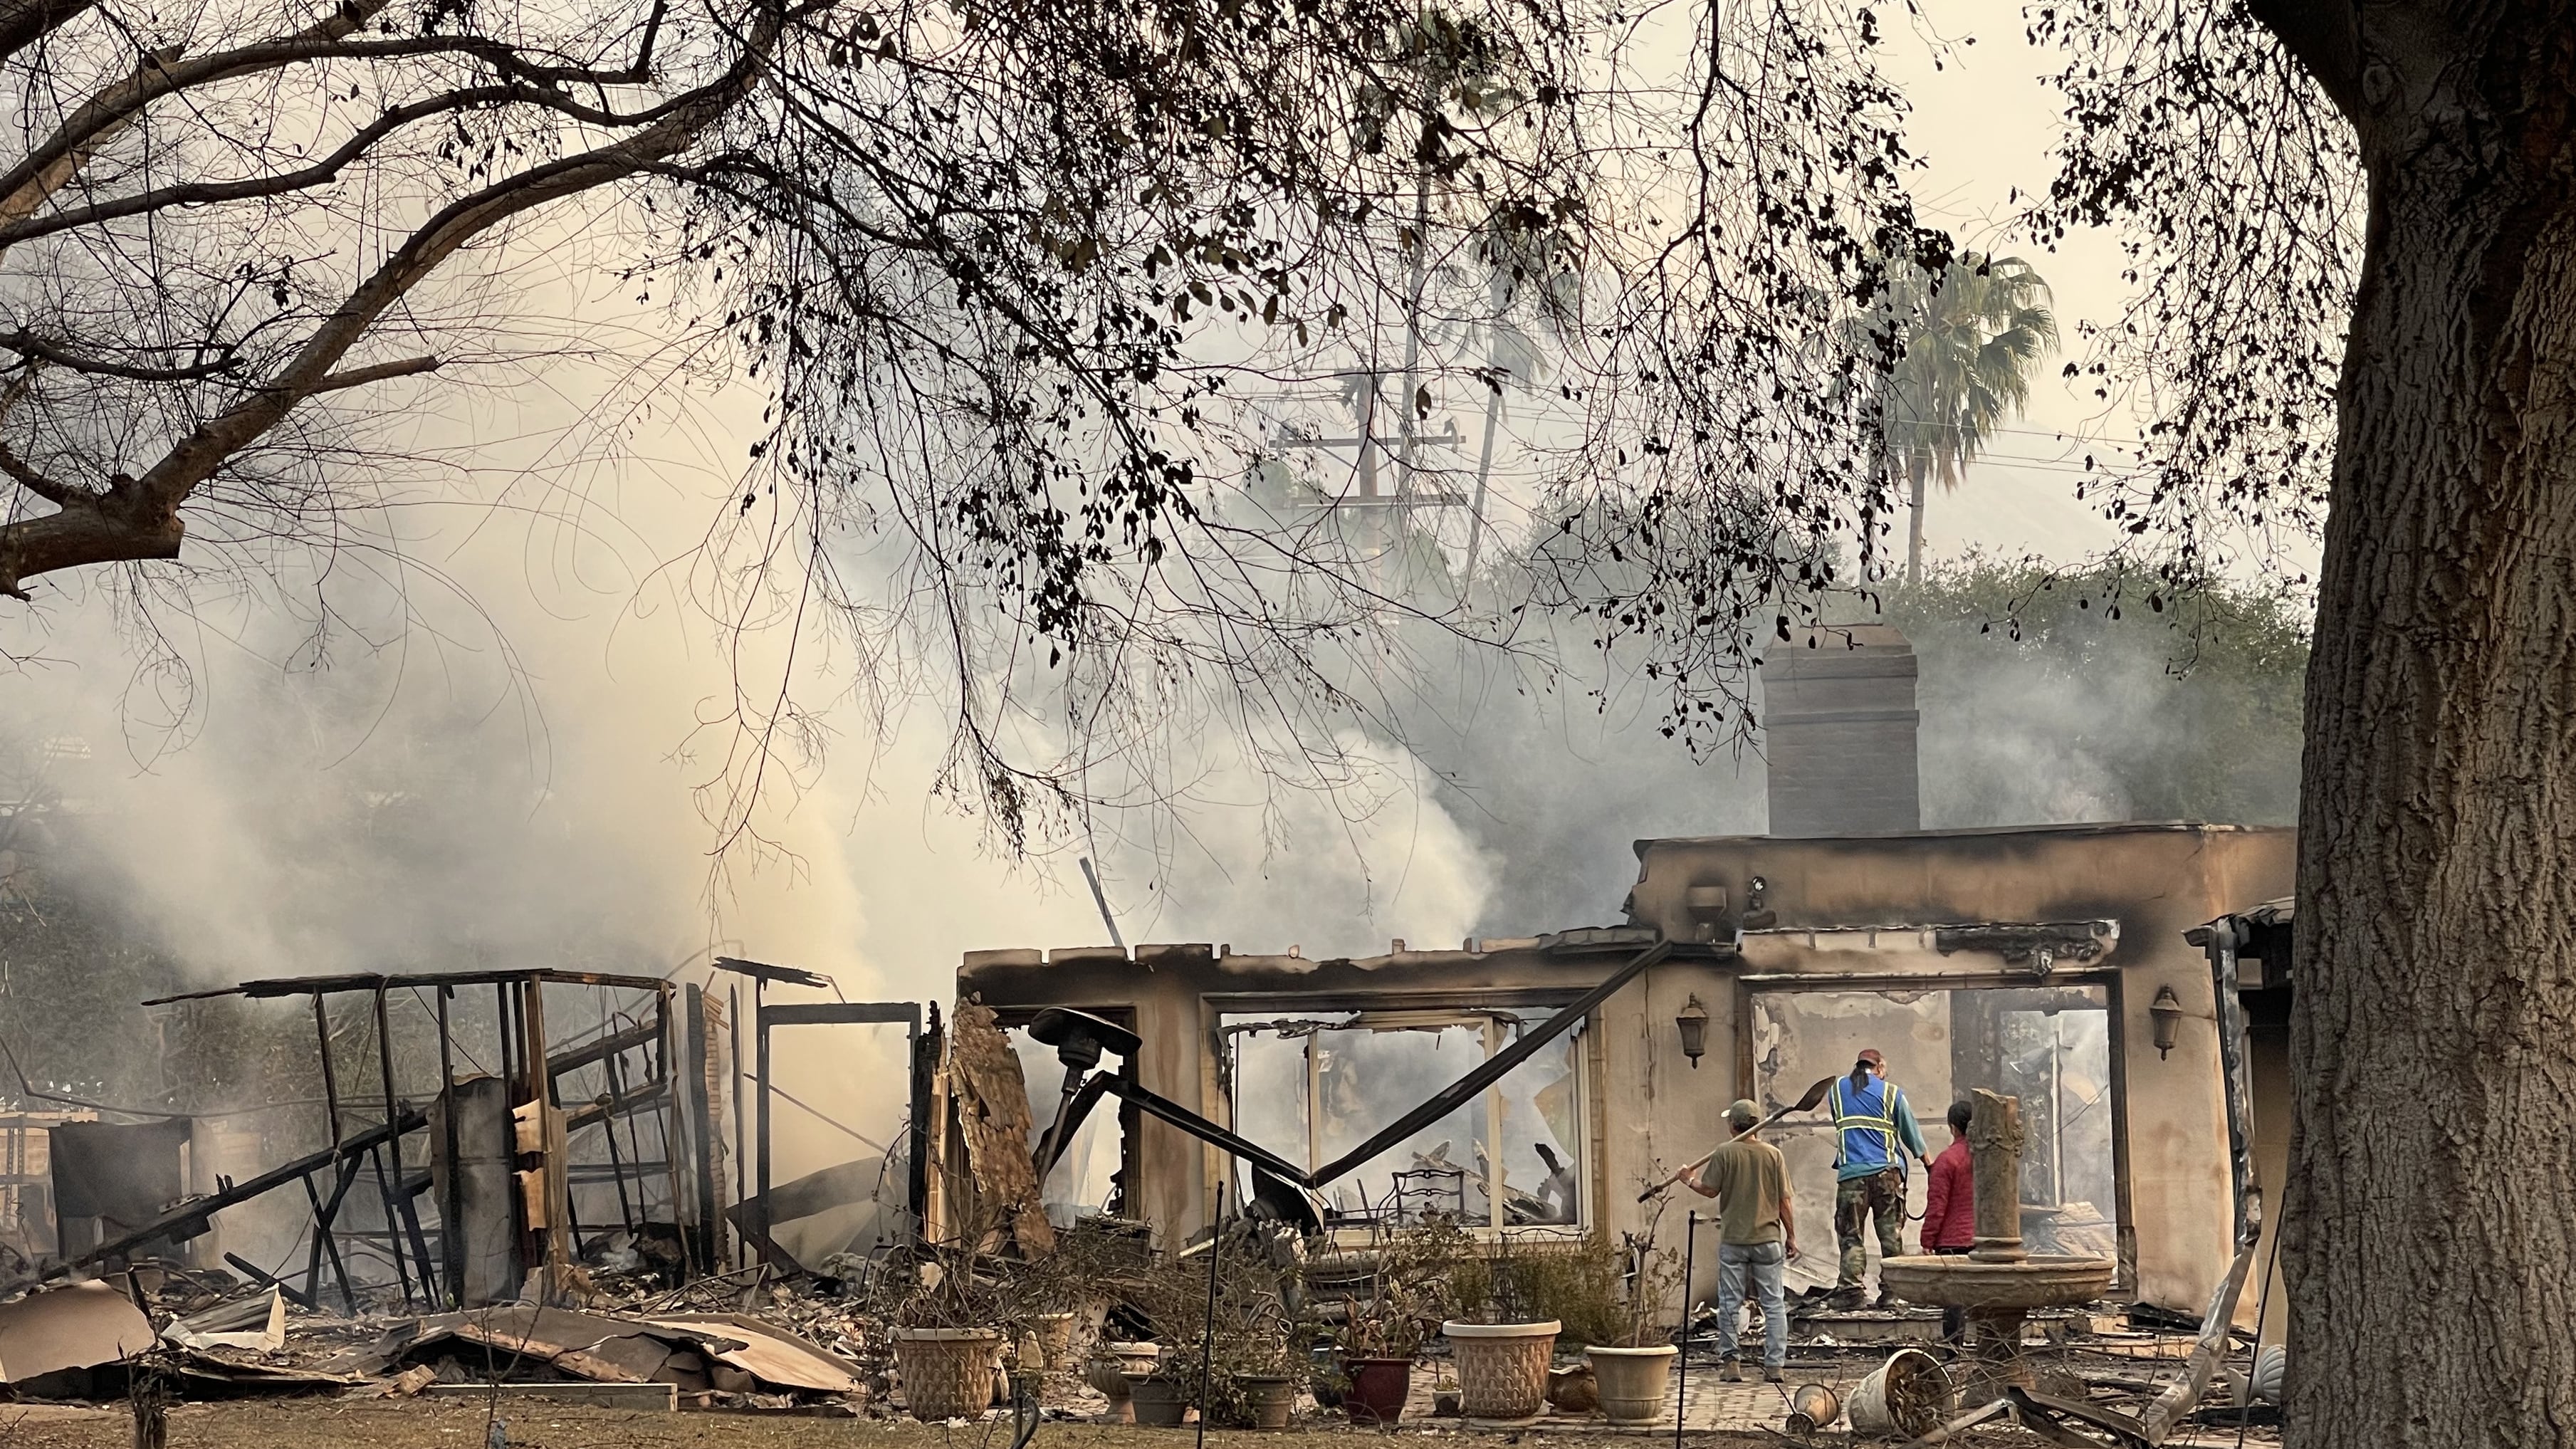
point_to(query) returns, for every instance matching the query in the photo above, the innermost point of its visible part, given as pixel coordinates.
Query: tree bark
(2429, 1238)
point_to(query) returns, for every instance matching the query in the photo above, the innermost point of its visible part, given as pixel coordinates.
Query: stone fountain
(1997, 1283)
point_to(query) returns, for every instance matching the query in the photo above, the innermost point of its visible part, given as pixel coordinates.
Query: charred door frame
(906, 1014)
(2124, 1225)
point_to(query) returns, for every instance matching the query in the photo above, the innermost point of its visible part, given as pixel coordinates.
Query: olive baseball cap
(1743, 1113)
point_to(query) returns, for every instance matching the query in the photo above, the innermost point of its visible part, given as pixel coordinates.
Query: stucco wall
(2154, 881)
(1650, 1110)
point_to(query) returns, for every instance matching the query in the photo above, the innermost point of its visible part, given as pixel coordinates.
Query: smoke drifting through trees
(2037, 709)
(2054, 695)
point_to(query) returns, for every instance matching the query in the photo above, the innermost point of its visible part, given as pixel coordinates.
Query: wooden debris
(991, 1102)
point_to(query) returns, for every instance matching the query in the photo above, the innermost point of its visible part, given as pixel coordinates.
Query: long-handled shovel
(1807, 1102)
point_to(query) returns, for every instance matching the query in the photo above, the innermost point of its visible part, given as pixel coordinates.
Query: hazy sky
(1984, 123)
(888, 885)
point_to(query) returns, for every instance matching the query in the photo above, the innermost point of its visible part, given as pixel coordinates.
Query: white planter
(1904, 1398)
(1502, 1367)
(1632, 1381)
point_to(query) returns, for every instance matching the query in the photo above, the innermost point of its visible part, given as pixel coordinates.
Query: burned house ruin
(2046, 962)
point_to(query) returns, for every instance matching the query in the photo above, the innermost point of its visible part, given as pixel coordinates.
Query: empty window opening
(1312, 1090)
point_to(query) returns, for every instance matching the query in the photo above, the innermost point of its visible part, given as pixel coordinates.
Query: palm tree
(1969, 336)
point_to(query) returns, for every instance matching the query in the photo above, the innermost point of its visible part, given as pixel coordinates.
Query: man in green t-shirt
(1757, 1236)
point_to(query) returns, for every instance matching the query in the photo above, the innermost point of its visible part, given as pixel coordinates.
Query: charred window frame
(1494, 1020)
(2115, 1021)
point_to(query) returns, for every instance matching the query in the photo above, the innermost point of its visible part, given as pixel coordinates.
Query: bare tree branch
(48, 166)
(35, 482)
(43, 349)
(377, 372)
(24, 22)
(145, 510)
(51, 163)
(359, 144)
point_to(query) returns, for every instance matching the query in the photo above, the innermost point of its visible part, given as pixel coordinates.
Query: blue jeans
(1764, 1262)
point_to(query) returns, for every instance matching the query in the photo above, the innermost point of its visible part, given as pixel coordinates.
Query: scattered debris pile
(704, 1359)
(94, 1340)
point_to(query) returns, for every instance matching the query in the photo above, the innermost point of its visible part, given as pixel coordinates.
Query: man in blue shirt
(1874, 1132)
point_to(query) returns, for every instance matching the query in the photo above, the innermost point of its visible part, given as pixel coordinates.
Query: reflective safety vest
(1864, 1124)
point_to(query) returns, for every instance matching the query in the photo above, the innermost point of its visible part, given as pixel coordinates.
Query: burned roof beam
(563, 1062)
(311, 985)
(1440, 1105)
(763, 971)
(1495, 1067)
(1154, 1104)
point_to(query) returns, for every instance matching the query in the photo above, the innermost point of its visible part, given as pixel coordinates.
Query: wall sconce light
(1693, 1020)
(2167, 1011)
(1758, 915)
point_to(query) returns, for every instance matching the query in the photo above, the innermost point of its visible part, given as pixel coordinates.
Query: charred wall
(1870, 907)
(2023, 914)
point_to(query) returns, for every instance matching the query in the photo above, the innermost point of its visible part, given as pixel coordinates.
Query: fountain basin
(2039, 1281)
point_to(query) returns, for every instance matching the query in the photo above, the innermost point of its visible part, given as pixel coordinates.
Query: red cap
(1871, 1056)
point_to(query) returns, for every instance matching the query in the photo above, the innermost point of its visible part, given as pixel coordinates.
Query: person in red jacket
(1950, 1209)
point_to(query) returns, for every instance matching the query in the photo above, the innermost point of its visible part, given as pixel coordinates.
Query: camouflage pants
(1856, 1202)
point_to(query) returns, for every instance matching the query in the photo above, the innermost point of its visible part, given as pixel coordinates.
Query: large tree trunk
(2429, 1237)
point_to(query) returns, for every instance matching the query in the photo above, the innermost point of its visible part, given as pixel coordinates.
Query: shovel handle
(1657, 1190)
(1805, 1103)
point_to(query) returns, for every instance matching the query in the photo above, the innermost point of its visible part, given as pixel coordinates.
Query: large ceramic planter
(1632, 1381)
(1112, 1368)
(947, 1372)
(1161, 1404)
(1502, 1367)
(1267, 1399)
(1377, 1389)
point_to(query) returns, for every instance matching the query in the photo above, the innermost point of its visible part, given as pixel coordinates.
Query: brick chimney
(1838, 726)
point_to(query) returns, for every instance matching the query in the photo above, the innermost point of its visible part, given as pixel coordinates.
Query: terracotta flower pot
(1267, 1399)
(947, 1372)
(1632, 1381)
(1502, 1367)
(1378, 1389)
